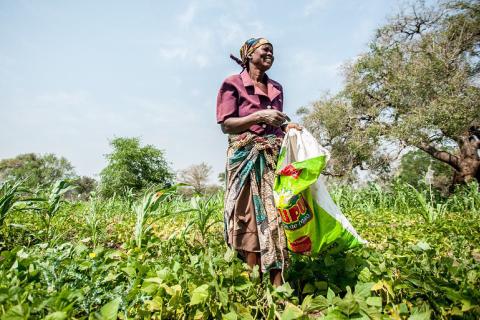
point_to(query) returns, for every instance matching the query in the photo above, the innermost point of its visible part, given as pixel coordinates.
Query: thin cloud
(186, 18)
(313, 6)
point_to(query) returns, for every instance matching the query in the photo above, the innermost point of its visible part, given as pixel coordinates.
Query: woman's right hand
(271, 117)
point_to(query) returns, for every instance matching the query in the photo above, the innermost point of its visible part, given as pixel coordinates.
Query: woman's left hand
(292, 125)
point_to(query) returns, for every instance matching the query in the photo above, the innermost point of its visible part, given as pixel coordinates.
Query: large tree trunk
(469, 161)
(466, 164)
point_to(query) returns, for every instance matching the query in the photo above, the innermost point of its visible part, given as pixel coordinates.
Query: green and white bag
(312, 222)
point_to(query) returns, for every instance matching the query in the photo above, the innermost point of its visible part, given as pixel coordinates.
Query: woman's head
(257, 52)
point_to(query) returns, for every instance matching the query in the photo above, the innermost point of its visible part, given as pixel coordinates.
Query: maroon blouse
(239, 97)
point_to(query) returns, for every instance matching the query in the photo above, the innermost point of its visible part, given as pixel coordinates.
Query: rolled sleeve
(227, 102)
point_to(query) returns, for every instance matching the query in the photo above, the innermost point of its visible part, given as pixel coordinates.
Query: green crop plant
(47, 206)
(8, 198)
(148, 207)
(92, 220)
(206, 213)
(428, 209)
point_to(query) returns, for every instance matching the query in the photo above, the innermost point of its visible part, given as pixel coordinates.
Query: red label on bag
(290, 171)
(302, 244)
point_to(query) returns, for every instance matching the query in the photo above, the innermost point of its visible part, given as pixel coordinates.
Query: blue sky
(75, 74)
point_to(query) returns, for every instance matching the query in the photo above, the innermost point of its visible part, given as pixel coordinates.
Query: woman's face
(262, 57)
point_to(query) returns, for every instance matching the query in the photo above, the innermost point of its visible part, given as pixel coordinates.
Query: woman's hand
(271, 117)
(292, 125)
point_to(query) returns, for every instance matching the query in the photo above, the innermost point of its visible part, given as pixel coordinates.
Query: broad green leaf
(348, 306)
(403, 309)
(110, 310)
(306, 303)
(229, 255)
(308, 288)
(319, 303)
(291, 312)
(377, 286)
(130, 271)
(18, 312)
(230, 316)
(243, 312)
(424, 246)
(58, 315)
(335, 315)
(363, 290)
(199, 295)
(285, 290)
(374, 301)
(156, 304)
(330, 295)
(421, 316)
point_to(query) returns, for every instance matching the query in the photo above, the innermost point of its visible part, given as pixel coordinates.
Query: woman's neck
(256, 74)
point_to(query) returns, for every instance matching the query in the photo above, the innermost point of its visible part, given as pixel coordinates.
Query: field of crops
(160, 256)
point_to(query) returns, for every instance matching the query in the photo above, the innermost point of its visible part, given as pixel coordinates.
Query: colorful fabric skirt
(250, 218)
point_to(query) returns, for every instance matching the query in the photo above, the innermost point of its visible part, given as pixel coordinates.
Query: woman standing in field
(249, 110)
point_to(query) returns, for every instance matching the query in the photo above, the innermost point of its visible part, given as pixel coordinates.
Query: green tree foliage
(133, 167)
(418, 85)
(83, 187)
(417, 168)
(37, 171)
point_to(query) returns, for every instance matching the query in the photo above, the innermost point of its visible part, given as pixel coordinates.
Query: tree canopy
(35, 170)
(132, 167)
(418, 85)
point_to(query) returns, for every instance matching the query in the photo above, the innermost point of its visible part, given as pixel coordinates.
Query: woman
(249, 109)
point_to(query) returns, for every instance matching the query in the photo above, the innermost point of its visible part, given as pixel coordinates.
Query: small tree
(37, 171)
(196, 176)
(133, 167)
(83, 188)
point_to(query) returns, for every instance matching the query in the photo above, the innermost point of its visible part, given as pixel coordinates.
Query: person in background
(250, 111)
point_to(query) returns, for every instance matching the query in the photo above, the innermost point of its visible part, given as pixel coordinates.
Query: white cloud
(186, 18)
(313, 6)
(195, 48)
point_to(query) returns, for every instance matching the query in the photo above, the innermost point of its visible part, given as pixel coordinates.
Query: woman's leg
(276, 277)
(251, 258)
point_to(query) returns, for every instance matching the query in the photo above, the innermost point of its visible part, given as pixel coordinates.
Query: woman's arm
(239, 124)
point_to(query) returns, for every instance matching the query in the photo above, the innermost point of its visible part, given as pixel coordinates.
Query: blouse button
(264, 126)
(269, 107)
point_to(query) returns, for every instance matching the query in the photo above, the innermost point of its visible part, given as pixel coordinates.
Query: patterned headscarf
(247, 49)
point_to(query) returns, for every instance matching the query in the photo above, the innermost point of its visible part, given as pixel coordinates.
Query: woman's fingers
(294, 126)
(273, 117)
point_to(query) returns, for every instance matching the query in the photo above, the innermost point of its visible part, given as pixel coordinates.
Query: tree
(37, 171)
(133, 167)
(418, 85)
(83, 187)
(196, 176)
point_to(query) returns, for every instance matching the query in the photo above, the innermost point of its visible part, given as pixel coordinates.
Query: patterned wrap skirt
(251, 220)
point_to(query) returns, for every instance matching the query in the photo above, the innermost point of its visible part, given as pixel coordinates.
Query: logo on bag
(297, 215)
(290, 171)
(302, 244)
